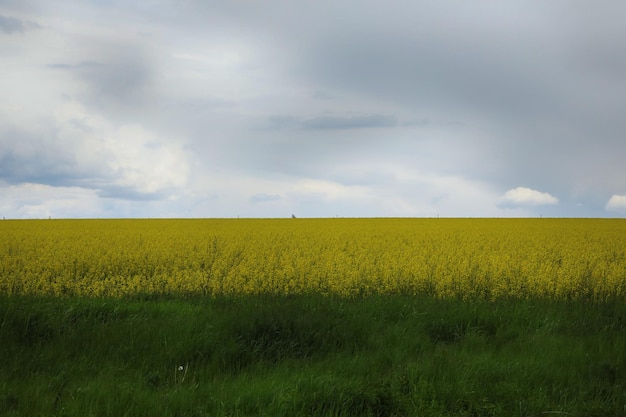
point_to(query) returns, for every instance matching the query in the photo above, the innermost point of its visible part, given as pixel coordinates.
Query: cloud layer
(205, 108)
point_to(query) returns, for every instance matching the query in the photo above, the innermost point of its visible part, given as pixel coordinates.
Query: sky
(326, 108)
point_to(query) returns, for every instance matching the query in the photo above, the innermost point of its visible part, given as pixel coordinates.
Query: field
(459, 258)
(313, 317)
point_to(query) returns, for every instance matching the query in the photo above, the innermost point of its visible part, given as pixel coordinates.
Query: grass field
(294, 317)
(381, 355)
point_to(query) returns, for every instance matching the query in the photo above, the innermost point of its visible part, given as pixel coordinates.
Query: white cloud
(40, 201)
(120, 157)
(142, 161)
(616, 203)
(522, 196)
(43, 201)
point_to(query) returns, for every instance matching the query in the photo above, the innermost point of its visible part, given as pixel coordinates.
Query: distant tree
(293, 216)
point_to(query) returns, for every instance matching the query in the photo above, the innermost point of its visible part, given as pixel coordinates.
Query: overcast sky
(325, 108)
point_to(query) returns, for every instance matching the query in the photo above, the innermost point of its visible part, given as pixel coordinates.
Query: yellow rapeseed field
(464, 258)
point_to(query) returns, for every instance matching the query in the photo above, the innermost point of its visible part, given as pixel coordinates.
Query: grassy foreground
(310, 355)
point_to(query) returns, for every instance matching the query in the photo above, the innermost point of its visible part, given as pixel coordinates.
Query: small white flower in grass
(177, 371)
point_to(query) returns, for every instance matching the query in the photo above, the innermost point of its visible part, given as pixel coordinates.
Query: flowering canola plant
(458, 258)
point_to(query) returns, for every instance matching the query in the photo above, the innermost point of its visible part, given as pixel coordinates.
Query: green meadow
(311, 355)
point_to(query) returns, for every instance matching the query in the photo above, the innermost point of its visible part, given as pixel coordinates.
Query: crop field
(458, 258)
(313, 317)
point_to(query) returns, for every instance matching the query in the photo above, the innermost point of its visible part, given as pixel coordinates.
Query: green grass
(311, 356)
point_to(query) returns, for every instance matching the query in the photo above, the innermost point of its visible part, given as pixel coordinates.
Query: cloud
(333, 122)
(522, 196)
(80, 148)
(30, 200)
(528, 86)
(616, 203)
(264, 198)
(358, 122)
(36, 157)
(80, 66)
(118, 71)
(427, 108)
(11, 25)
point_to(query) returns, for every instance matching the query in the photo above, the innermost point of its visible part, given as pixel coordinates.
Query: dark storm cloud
(11, 25)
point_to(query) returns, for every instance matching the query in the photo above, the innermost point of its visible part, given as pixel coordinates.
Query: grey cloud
(11, 25)
(37, 168)
(283, 122)
(80, 66)
(549, 104)
(26, 158)
(358, 122)
(323, 95)
(121, 78)
(333, 122)
(127, 193)
(264, 198)
(427, 122)
(119, 73)
(462, 77)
